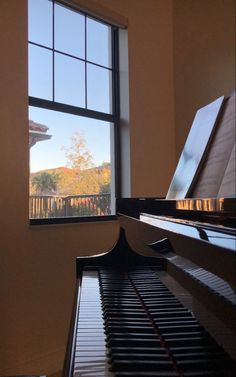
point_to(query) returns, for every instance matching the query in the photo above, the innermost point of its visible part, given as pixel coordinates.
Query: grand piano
(162, 301)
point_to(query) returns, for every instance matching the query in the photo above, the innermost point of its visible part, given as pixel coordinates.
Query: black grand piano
(162, 301)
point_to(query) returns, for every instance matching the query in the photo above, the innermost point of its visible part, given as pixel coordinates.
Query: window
(73, 113)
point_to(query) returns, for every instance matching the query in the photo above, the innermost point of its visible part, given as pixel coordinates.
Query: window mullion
(116, 108)
(53, 51)
(69, 109)
(85, 52)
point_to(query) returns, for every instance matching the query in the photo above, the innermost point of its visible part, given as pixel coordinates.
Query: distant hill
(70, 181)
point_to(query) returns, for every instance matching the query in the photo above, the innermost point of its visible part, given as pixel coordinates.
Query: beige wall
(150, 93)
(37, 264)
(204, 57)
(151, 96)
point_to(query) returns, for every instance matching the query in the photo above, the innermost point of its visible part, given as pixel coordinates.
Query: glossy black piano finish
(120, 256)
(219, 211)
(199, 248)
(202, 230)
(216, 235)
(128, 323)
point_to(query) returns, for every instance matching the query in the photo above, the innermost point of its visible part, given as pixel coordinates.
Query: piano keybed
(131, 325)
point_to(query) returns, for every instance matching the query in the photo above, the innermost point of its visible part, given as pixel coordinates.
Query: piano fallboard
(218, 211)
(216, 235)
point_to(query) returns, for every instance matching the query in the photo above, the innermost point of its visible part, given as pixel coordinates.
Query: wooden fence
(47, 206)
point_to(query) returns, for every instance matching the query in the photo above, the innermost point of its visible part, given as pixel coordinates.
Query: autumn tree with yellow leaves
(80, 177)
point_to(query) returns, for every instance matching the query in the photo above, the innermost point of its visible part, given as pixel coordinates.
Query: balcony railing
(48, 206)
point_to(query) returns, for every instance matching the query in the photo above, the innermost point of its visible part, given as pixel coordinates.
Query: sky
(51, 154)
(69, 82)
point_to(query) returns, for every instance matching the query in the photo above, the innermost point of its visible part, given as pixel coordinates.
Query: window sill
(71, 220)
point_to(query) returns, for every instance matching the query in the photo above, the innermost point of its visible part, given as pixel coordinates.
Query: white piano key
(90, 358)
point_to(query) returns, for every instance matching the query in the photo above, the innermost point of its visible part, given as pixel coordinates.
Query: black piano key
(126, 321)
(204, 364)
(109, 312)
(201, 364)
(162, 305)
(188, 341)
(124, 306)
(210, 373)
(188, 356)
(139, 356)
(155, 289)
(122, 315)
(146, 290)
(141, 365)
(137, 350)
(124, 303)
(147, 329)
(159, 299)
(117, 286)
(165, 313)
(158, 295)
(176, 321)
(123, 312)
(133, 342)
(117, 296)
(107, 298)
(184, 334)
(208, 348)
(180, 328)
(146, 374)
(117, 290)
(130, 335)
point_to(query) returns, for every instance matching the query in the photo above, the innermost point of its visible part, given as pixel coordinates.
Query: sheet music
(194, 149)
(228, 184)
(214, 168)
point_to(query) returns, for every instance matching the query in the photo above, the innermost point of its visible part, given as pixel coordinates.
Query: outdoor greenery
(79, 177)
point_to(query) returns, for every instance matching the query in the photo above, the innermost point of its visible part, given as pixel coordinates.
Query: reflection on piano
(146, 308)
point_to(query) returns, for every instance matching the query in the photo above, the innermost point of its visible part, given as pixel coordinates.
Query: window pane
(70, 165)
(40, 72)
(99, 89)
(69, 80)
(98, 43)
(69, 31)
(40, 22)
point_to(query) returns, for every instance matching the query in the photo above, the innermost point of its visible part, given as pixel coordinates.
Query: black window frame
(113, 117)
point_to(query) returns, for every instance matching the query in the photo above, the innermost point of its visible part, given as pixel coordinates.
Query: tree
(105, 179)
(78, 156)
(105, 188)
(45, 183)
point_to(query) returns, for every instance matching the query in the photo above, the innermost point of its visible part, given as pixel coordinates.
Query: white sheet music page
(194, 150)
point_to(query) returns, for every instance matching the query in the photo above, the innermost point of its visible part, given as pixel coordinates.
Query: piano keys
(90, 357)
(130, 324)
